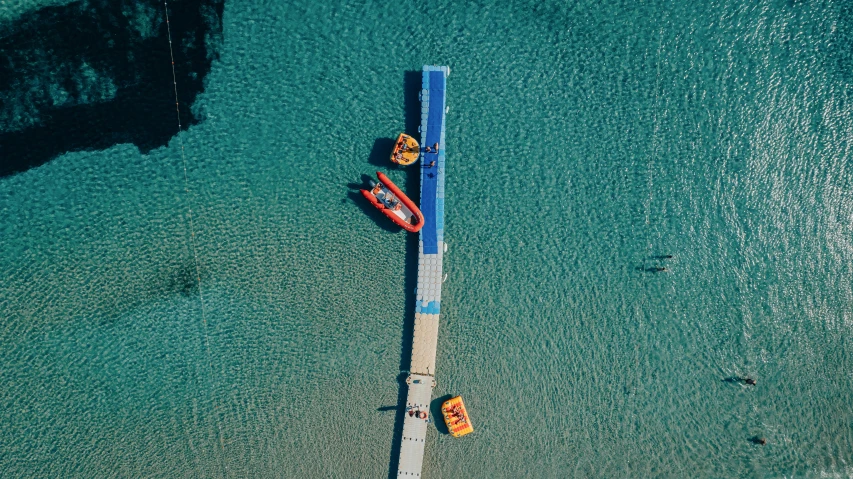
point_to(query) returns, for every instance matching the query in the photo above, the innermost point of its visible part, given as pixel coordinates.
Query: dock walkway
(431, 253)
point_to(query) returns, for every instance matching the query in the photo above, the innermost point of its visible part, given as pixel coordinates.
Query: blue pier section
(432, 178)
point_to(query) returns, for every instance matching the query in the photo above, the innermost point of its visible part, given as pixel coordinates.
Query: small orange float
(456, 417)
(406, 150)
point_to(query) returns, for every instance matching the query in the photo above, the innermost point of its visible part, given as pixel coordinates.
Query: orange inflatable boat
(387, 198)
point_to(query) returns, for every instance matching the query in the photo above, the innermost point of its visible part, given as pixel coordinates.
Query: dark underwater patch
(95, 73)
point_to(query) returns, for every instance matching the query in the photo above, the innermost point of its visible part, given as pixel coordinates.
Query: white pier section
(415, 428)
(425, 339)
(431, 254)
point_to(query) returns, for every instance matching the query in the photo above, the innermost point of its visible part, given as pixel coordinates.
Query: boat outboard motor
(372, 183)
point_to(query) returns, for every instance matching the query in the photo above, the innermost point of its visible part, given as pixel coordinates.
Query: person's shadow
(740, 380)
(651, 269)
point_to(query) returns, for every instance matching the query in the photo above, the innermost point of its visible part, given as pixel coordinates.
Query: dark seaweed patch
(92, 74)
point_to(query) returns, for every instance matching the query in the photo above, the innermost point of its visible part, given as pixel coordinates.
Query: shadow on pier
(411, 88)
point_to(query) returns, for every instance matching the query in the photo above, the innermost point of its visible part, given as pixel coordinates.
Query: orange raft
(406, 150)
(388, 199)
(456, 417)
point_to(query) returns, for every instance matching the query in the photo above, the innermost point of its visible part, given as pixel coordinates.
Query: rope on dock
(193, 240)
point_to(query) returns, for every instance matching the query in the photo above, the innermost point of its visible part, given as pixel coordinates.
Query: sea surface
(221, 302)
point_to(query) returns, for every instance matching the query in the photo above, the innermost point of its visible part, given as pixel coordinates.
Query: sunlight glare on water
(585, 144)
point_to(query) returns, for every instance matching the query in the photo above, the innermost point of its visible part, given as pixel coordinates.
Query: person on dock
(428, 149)
(431, 164)
(435, 147)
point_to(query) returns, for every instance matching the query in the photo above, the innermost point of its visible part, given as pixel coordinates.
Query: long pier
(421, 378)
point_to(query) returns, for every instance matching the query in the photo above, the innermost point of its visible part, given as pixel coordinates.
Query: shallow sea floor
(585, 142)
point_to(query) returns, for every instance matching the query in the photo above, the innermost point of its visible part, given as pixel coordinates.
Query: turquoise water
(583, 141)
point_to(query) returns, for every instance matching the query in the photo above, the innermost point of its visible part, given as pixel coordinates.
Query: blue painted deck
(432, 132)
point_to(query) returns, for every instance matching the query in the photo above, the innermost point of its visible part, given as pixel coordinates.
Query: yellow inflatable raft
(456, 417)
(406, 150)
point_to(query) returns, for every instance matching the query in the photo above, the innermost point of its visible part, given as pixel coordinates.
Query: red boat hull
(416, 212)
